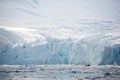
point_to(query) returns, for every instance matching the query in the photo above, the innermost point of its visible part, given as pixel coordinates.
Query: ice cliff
(89, 42)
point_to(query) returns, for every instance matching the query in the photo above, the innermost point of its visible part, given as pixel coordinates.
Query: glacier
(88, 42)
(84, 32)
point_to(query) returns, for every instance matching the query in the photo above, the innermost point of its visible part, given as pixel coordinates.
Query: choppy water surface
(59, 72)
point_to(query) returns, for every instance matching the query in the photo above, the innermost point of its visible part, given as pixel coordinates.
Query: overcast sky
(56, 12)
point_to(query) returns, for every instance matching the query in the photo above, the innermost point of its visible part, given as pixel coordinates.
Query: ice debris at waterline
(90, 42)
(59, 72)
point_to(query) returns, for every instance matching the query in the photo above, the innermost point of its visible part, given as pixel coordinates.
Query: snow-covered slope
(89, 42)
